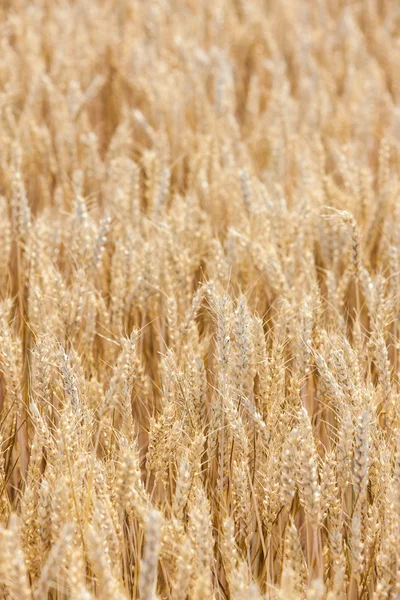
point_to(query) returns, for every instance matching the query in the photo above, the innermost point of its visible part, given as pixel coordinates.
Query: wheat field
(199, 300)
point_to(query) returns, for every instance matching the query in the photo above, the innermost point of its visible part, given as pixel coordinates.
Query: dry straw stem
(199, 299)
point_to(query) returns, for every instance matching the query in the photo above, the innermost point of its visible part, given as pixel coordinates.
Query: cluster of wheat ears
(199, 299)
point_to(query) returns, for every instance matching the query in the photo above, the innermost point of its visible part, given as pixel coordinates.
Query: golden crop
(199, 299)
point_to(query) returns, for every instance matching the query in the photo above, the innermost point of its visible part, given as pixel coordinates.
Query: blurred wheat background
(199, 299)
